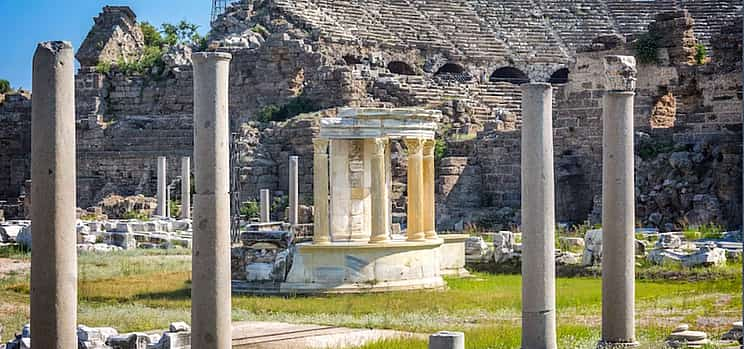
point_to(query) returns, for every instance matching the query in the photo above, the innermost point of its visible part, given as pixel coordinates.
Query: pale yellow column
(379, 197)
(415, 189)
(429, 222)
(321, 234)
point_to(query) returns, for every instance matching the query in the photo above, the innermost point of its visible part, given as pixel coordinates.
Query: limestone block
(592, 248)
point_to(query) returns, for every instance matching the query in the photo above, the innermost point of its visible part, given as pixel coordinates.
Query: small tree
(4, 86)
(701, 54)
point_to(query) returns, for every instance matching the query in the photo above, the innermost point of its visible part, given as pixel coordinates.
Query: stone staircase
(710, 16)
(633, 17)
(314, 18)
(357, 17)
(578, 22)
(404, 20)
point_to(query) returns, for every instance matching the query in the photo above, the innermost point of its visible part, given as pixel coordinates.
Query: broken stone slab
(179, 326)
(129, 341)
(735, 333)
(683, 337)
(592, 247)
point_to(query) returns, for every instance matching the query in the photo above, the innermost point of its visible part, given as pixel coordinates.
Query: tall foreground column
(265, 205)
(293, 189)
(379, 197)
(415, 190)
(185, 187)
(538, 218)
(162, 187)
(210, 292)
(618, 205)
(54, 264)
(429, 219)
(322, 228)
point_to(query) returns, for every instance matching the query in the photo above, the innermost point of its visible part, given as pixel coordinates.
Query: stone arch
(509, 74)
(401, 68)
(559, 77)
(453, 72)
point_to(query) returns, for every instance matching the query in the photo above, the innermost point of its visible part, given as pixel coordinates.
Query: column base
(610, 345)
(431, 235)
(321, 242)
(379, 241)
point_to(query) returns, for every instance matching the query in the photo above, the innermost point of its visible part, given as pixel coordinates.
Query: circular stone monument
(353, 249)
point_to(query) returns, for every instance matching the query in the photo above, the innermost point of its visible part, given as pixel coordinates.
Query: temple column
(211, 286)
(162, 187)
(538, 223)
(429, 218)
(265, 206)
(321, 229)
(293, 189)
(54, 264)
(185, 187)
(618, 205)
(415, 231)
(379, 195)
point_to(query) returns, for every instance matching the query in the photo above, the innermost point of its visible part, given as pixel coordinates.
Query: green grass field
(137, 291)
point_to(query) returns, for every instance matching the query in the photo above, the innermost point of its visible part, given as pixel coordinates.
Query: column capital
(429, 146)
(414, 145)
(320, 145)
(380, 145)
(620, 73)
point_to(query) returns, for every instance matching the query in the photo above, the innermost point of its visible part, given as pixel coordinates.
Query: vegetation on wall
(250, 209)
(5, 86)
(701, 54)
(295, 106)
(647, 48)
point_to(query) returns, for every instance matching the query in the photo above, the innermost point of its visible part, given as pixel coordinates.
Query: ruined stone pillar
(415, 231)
(538, 218)
(162, 187)
(54, 265)
(321, 229)
(210, 292)
(429, 218)
(618, 205)
(379, 195)
(293, 189)
(265, 202)
(185, 187)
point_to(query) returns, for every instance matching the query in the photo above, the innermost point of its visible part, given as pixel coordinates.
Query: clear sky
(24, 23)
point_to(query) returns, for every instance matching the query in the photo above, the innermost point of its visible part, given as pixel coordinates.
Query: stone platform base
(364, 267)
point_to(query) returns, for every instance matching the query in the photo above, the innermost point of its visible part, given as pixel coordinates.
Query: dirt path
(13, 266)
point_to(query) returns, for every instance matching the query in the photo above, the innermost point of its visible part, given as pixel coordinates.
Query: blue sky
(24, 23)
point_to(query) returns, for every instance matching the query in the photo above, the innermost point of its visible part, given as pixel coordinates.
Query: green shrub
(260, 30)
(139, 215)
(250, 209)
(647, 48)
(294, 107)
(103, 67)
(701, 54)
(4, 86)
(440, 149)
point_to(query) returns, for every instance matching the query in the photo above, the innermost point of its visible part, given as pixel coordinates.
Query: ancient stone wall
(15, 142)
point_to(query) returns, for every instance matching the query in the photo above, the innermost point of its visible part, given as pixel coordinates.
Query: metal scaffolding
(218, 8)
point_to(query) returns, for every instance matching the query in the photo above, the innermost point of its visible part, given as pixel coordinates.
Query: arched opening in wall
(453, 72)
(352, 60)
(401, 68)
(560, 77)
(510, 75)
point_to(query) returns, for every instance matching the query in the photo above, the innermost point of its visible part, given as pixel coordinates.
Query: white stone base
(452, 255)
(364, 267)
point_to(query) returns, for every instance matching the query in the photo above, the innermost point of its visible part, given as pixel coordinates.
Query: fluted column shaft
(186, 188)
(294, 164)
(379, 195)
(321, 230)
(265, 206)
(54, 264)
(211, 288)
(538, 223)
(415, 230)
(162, 187)
(429, 218)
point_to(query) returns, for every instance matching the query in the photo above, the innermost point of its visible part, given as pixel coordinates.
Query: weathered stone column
(618, 205)
(293, 189)
(538, 218)
(54, 264)
(415, 231)
(185, 187)
(265, 203)
(379, 197)
(210, 292)
(429, 218)
(162, 187)
(321, 229)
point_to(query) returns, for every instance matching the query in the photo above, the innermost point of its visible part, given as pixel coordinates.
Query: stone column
(618, 205)
(415, 190)
(54, 266)
(265, 202)
(538, 218)
(379, 197)
(321, 229)
(185, 187)
(293, 189)
(162, 187)
(429, 218)
(210, 292)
